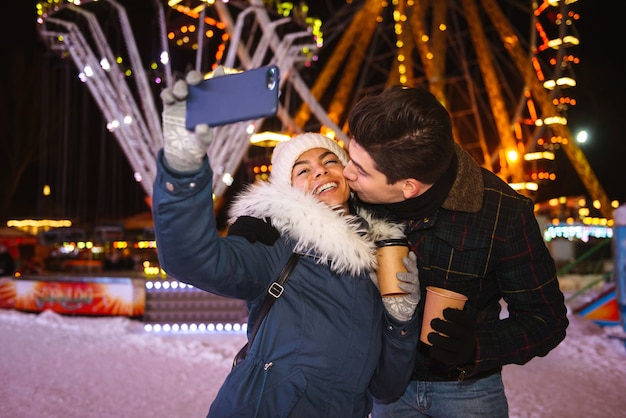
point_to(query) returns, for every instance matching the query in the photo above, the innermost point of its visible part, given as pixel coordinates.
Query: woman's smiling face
(320, 172)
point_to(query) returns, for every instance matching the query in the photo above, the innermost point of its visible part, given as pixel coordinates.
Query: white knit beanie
(286, 153)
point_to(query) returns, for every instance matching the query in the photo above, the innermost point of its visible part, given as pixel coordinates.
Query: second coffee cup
(389, 254)
(438, 299)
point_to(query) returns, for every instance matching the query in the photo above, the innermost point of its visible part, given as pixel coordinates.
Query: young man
(472, 234)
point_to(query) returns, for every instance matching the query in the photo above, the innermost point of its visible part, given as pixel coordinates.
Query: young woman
(329, 343)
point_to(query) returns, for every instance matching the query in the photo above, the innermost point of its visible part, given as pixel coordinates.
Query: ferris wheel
(99, 38)
(503, 69)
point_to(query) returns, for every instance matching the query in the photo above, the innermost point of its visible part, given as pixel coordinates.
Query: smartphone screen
(231, 98)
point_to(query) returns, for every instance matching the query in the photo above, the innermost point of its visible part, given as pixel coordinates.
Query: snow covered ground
(82, 367)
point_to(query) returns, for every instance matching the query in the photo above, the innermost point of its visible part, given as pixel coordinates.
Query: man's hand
(454, 342)
(183, 149)
(403, 307)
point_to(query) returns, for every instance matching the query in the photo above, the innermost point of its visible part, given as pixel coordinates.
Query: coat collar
(346, 242)
(466, 194)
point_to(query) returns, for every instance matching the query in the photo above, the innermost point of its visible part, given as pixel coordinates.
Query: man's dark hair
(406, 131)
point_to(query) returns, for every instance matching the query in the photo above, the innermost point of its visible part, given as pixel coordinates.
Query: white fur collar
(317, 230)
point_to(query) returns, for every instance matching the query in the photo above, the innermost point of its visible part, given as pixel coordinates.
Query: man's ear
(412, 188)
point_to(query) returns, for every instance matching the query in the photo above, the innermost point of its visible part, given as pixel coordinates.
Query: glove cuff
(181, 149)
(399, 307)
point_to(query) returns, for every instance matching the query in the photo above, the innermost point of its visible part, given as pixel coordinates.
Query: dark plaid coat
(485, 242)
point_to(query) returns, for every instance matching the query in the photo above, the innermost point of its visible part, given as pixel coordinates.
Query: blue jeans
(478, 398)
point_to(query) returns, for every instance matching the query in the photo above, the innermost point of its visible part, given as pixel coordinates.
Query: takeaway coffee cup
(438, 299)
(389, 254)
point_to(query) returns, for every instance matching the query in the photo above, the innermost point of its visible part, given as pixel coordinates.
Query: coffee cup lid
(392, 242)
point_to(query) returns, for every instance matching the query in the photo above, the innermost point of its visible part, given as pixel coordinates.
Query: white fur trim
(318, 230)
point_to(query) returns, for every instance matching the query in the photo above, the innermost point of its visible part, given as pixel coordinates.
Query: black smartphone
(236, 97)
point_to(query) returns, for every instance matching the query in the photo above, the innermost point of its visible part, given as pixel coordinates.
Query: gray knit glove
(183, 149)
(403, 307)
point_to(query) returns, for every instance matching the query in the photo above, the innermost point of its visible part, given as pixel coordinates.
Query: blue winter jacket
(327, 344)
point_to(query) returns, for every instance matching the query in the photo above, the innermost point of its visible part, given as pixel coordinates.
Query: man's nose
(348, 171)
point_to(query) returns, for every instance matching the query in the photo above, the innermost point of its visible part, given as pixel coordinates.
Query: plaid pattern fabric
(493, 254)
